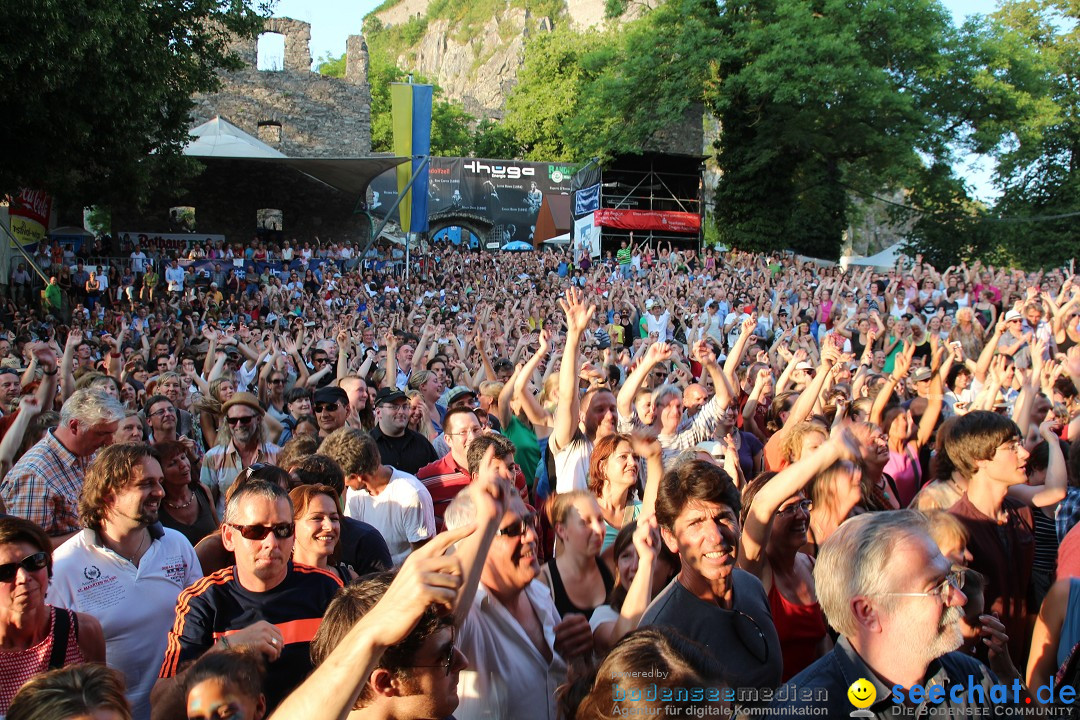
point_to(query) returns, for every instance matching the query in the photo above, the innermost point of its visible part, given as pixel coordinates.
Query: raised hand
(577, 313)
(646, 538)
(658, 352)
(644, 443)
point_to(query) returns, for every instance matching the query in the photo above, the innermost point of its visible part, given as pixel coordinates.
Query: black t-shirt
(363, 547)
(218, 605)
(408, 453)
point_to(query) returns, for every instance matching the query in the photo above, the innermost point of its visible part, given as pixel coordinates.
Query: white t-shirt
(403, 512)
(572, 465)
(135, 605)
(658, 325)
(138, 261)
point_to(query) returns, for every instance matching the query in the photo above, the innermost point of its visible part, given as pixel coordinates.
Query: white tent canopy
(220, 138)
(885, 259)
(563, 239)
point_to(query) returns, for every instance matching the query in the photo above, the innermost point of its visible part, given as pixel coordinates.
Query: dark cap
(459, 392)
(330, 394)
(389, 395)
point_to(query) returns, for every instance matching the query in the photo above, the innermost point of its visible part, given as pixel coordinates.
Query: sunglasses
(30, 563)
(242, 420)
(325, 407)
(520, 527)
(282, 531)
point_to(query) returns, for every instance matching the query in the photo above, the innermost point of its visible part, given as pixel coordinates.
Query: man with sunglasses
(517, 645)
(330, 406)
(717, 604)
(222, 464)
(264, 603)
(124, 568)
(896, 601)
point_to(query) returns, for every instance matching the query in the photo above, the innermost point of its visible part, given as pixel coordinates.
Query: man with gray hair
(44, 485)
(264, 603)
(884, 585)
(516, 643)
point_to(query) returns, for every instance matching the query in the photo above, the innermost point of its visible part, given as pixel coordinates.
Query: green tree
(493, 140)
(100, 93)
(332, 66)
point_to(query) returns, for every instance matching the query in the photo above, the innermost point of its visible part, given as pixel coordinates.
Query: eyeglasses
(282, 531)
(242, 420)
(30, 563)
(324, 407)
(520, 527)
(955, 579)
(1011, 446)
(279, 381)
(804, 506)
(750, 635)
(163, 411)
(319, 360)
(448, 662)
(469, 432)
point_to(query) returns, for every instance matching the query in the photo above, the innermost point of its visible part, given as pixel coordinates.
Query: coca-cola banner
(29, 212)
(670, 220)
(505, 192)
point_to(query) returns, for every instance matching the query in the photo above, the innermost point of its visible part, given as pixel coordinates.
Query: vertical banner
(411, 114)
(29, 216)
(586, 234)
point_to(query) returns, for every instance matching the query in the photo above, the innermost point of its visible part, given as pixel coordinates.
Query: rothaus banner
(506, 192)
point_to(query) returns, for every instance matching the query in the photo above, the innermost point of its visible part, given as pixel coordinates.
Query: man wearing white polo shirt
(124, 568)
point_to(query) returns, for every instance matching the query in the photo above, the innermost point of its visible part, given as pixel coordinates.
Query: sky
(332, 21)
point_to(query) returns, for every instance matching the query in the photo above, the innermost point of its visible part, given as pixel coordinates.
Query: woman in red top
(36, 637)
(775, 519)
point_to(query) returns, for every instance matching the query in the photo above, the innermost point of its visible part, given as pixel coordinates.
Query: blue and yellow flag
(411, 113)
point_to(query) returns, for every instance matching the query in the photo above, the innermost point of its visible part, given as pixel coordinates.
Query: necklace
(181, 506)
(135, 556)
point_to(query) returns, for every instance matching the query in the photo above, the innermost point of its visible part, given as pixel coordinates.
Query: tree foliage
(99, 94)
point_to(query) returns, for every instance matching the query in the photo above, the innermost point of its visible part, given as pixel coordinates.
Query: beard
(949, 635)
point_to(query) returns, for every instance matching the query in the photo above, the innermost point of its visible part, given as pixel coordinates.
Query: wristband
(114, 354)
(46, 372)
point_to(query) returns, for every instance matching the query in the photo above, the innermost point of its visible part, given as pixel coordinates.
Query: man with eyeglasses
(717, 604)
(987, 450)
(399, 446)
(264, 603)
(896, 601)
(449, 475)
(243, 416)
(518, 646)
(124, 568)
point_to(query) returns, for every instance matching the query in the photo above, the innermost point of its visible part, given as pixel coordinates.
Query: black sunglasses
(520, 527)
(282, 531)
(242, 420)
(750, 635)
(325, 407)
(30, 563)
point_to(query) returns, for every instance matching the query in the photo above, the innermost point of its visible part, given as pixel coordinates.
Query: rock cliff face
(479, 66)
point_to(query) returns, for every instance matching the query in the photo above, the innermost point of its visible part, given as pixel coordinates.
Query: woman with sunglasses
(318, 530)
(36, 637)
(775, 520)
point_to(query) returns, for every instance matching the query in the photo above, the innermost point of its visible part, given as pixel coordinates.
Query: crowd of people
(294, 481)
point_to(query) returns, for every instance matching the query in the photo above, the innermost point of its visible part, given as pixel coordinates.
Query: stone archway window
(270, 219)
(270, 132)
(270, 52)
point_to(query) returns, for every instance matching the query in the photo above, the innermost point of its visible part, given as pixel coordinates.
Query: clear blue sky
(334, 20)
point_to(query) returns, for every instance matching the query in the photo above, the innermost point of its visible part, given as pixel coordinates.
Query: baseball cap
(458, 392)
(386, 395)
(330, 394)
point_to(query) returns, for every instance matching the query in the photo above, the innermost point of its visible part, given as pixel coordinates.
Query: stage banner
(667, 221)
(411, 115)
(29, 216)
(507, 193)
(587, 200)
(587, 234)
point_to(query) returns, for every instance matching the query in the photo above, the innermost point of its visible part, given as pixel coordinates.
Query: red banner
(669, 221)
(29, 213)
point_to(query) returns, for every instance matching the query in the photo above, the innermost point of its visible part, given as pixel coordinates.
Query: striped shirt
(44, 486)
(218, 606)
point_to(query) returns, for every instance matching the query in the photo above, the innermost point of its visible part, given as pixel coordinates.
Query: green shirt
(52, 296)
(623, 256)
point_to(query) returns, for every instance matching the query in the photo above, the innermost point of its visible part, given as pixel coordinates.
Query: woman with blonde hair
(834, 494)
(968, 333)
(209, 406)
(579, 580)
(419, 417)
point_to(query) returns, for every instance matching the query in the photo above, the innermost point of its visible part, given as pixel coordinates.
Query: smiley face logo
(862, 693)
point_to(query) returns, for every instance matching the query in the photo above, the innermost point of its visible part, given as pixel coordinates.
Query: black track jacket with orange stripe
(218, 605)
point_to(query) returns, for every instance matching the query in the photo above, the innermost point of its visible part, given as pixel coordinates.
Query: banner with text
(667, 221)
(29, 216)
(507, 193)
